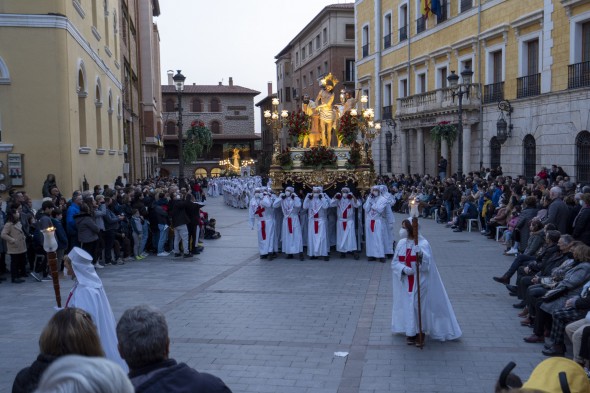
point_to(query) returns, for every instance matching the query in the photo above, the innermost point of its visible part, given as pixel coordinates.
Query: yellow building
(60, 93)
(532, 56)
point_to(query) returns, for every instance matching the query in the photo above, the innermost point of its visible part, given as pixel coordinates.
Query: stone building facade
(60, 94)
(531, 54)
(227, 110)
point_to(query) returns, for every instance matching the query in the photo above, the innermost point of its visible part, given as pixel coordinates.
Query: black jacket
(27, 379)
(180, 213)
(582, 226)
(171, 377)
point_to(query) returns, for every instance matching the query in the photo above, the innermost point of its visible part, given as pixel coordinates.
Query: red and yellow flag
(425, 8)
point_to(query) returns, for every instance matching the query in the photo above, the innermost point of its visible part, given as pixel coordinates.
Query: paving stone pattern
(273, 326)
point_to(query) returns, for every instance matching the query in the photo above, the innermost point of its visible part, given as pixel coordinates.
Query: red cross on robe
(316, 224)
(407, 260)
(345, 216)
(259, 211)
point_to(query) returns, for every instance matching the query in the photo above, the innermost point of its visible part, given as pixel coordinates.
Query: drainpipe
(480, 125)
(409, 92)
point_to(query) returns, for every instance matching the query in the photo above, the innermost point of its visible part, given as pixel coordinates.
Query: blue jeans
(163, 237)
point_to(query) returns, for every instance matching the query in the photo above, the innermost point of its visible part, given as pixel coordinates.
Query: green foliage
(319, 157)
(198, 141)
(355, 158)
(348, 129)
(444, 131)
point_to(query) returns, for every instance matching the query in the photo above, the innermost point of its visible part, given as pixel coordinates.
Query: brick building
(227, 110)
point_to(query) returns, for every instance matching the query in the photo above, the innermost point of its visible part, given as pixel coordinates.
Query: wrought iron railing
(387, 113)
(443, 15)
(528, 86)
(466, 5)
(493, 92)
(403, 33)
(578, 75)
(420, 25)
(387, 41)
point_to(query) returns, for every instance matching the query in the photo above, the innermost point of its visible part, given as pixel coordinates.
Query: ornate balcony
(528, 86)
(434, 106)
(578, 75)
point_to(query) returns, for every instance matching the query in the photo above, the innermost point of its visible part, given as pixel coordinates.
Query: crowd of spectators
(115, 225)
(544, 224)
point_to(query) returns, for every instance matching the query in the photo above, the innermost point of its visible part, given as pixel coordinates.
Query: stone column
(420, 149)
(404, 148)
(467, 148)
(444, 151)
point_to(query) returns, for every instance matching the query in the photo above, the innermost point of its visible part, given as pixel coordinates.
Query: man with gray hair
(144, 344)
(557, 211)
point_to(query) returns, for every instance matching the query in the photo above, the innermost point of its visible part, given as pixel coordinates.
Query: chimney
(220, 83)
(269, 88)
(170, 80)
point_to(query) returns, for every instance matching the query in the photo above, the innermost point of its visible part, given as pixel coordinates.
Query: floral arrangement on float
(298, 124)
(284, 159)
(319, 157)
(347, 129)
(444, 131)
(355, 158)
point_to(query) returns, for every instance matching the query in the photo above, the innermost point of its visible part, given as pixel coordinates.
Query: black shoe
(382, 260)
(187, 256)
(342, 255)
(177, 255)
(17, 280)
(289, 256)
(389, 256)
(264, 256)
(519, 305)
(272, 256)
(512, 288)
(512, 294)
(326, 258)
(301, 257)
(313, 258)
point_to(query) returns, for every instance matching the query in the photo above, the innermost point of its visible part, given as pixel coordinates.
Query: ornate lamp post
(390, 139)
(179, 84)
(276, 122)
(368, 128)
(459, 91)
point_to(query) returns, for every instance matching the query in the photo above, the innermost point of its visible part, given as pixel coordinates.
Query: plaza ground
(274, 326)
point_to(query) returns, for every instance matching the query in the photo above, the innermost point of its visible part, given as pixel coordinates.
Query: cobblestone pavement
(273, 326)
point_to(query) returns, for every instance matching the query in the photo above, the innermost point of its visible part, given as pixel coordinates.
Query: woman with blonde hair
(69, 331)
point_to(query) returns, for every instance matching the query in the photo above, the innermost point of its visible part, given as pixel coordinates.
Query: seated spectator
(210, 232)
(521, 230)
(581, 224)
(78, 374)
(468, 211)
(144, 344)
(69, 331)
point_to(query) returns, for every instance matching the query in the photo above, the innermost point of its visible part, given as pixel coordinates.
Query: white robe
(292, 241)
(345, 229)
(317, 239)
(438, 318)
(262, 218)
(89, 295)
(374, 211)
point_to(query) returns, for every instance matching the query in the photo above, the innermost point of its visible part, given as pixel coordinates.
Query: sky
(215, 39)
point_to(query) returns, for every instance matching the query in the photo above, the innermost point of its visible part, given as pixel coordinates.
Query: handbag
(553, 294)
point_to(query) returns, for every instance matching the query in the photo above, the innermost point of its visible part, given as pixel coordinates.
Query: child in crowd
(210, 232)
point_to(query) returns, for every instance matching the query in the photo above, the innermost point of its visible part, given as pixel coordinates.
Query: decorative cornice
(420, 60)
(527, 20)
(494, 32)
(400, 67)
(59, 22)
(100, 152)
(444, 51)
(112, 152)
(365, 78)
(84, 150)
(569, 4)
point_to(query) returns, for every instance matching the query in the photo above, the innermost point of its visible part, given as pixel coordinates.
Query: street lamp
(179, 84)
(390, 139)
(458, 91)
(503, 129)
(276, 122)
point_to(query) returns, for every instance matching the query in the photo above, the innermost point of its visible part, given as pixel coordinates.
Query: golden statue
(324, 102)
(313, 138)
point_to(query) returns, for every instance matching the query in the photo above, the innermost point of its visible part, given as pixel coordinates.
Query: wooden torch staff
(414, 214)
(50, 246)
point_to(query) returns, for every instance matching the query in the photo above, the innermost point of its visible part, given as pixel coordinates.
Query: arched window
(215, 172)
(170, 105)
(171, 128)
(196, 105)
(215, 127)
(215, 105)
(200, 172)
(583, 157)
(495, 153)
(529, 147)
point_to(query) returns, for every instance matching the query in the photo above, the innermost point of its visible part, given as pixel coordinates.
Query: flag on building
(435, 7)
(425, 8)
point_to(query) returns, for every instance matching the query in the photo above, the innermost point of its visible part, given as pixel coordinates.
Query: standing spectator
(16, 245)
(99, 212)
(557, 212)
(582, 221)
(180, 221)
(161, 216)
(145, 345)
(48, 185)
(137, 232)
(119, 182)
(87, 231)
(73, 209)
(442, 168)
(111, 224)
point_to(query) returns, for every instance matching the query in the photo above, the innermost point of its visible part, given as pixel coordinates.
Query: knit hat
(547, 375)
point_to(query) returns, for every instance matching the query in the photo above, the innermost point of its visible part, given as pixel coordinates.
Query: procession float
(330, 144)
